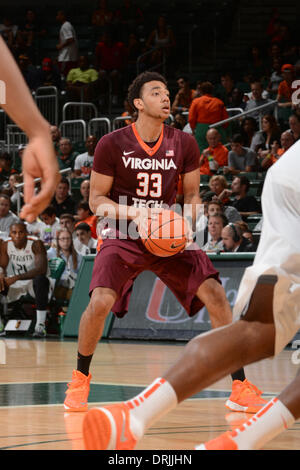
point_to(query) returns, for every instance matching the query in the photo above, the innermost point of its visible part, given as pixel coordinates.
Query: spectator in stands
(257, 63)
(262, 140)
(30, 73)
(286, 141)
(14, 179)
(67, 46)
(6, 169)
(7, 217)
(84, 243)
(62, 200)
(65, 249)
(130, 112)
(102, 16)
(85, 191)
(217, 185)
(129, 18)
(215, 226)
(258, 100)
(8, 31)
(82, 81)
(84, 162)
(29, 31)
(215, 156)
(84, 214)
(134, 49)
(111, 61)
(28, 261)
(240, 158)
(225, 91)
(50, 227)
(49, 74)
(184, 96)
(294, 124)
(162, 38)
(56, 136)
(275, 78)
(286, 89)
(215, 207)
(67, 156)
(245, 204)
(237, 99)
(179, 122)
(233, 240)
(17, 164)
(248, 129)
(204, 111)
(67, 221)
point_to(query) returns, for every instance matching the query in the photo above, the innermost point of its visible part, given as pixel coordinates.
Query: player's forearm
(19, 103)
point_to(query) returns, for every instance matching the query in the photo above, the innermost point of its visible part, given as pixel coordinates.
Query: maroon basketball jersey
(145, 176)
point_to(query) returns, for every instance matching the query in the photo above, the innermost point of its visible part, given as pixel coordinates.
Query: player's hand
(143, 217)
(39, 161)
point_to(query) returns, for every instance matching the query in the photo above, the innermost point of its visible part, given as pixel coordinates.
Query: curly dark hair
(134, 90)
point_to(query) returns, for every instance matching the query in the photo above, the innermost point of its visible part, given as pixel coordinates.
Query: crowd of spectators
(231, 153)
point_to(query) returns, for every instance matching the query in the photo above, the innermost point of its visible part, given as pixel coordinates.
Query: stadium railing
(46, 98)
(246, 113)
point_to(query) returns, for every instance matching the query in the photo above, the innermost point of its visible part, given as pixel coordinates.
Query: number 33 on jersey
(145, 173)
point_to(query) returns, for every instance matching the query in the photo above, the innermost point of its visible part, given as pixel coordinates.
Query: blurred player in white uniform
(267, 314)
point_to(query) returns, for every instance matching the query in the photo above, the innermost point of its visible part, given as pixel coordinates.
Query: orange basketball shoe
(78, 392)
(245, 397)
(108, 428)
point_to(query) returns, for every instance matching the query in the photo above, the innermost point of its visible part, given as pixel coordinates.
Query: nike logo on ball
(173, 246)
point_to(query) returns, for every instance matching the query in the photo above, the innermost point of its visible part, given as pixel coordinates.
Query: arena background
(212, 37)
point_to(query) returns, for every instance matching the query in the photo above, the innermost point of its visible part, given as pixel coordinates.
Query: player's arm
(39, 159)
(192, 200)
(40, 262)
(102, 205)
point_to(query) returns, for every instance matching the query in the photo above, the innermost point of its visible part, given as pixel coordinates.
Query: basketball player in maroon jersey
(136, 168)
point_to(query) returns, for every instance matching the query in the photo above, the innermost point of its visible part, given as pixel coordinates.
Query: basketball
(166, 234)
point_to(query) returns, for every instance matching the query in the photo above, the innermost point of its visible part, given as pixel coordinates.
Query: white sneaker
(40, 331)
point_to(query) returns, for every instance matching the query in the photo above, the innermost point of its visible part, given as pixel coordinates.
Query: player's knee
(100, 304)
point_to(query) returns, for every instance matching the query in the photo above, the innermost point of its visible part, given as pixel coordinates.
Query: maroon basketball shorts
(119, 262)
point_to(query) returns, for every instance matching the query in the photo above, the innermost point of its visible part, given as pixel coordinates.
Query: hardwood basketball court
(34, 376)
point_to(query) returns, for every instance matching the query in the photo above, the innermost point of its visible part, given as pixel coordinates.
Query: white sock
(270, 421)
(150, 405)
(41, 317)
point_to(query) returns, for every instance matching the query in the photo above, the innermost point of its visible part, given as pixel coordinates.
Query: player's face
(155, 100)
(18, 235)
